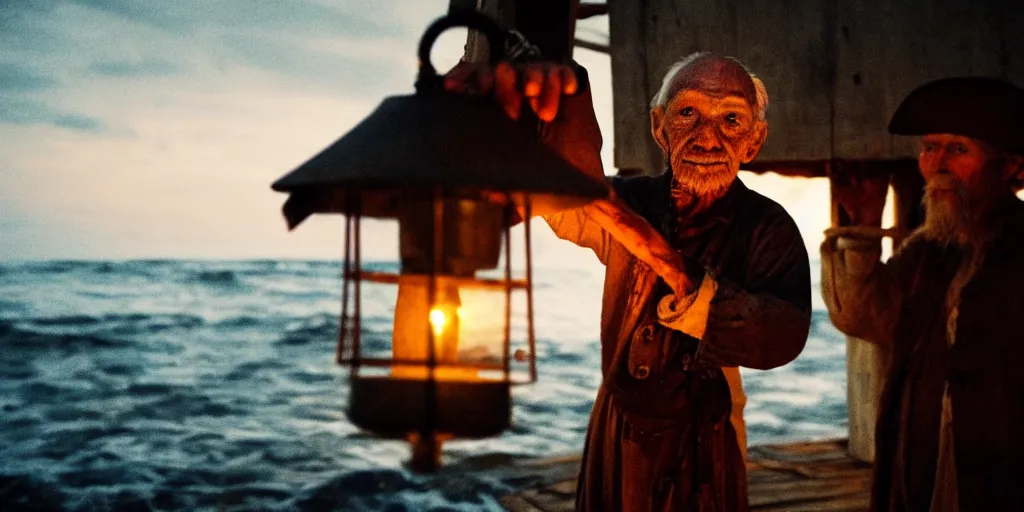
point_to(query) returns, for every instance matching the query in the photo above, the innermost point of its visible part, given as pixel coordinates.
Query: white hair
(662, 97)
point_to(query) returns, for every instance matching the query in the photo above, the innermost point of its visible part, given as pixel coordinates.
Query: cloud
(56, 54)
(78, 122)
(310, 17)
(338, 71)
(22, 85)
(15, 78)
(346, 47)
(151, 13)
(220, 98)
(9, 9)
(21, 111)
(134, 68)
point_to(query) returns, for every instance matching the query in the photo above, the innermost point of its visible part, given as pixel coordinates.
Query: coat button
(647, 332)
(642, 372)
(687, 361)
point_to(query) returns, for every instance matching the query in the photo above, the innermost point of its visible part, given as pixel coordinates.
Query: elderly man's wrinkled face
(709, 127)
(963, 178)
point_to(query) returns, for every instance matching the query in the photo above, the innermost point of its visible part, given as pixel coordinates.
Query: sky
(140, 129)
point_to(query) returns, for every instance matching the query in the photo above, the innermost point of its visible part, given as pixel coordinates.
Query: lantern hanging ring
(427, 80)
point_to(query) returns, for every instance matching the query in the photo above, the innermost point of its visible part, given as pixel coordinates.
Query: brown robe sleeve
(577, 227)
(763, 322)
(863, 295)
(576, 136)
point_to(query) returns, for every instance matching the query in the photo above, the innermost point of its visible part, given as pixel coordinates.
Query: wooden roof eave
(826, 168)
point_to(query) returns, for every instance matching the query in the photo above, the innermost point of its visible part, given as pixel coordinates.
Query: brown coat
(902, 304)
(659, 435)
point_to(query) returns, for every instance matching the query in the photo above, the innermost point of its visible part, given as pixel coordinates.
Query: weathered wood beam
(859, 190)
(589, 10)
(635, 149)
(597, 47)
(823, 169)
(797, 169)
(782, 478)
(549, 24)
(462, 5)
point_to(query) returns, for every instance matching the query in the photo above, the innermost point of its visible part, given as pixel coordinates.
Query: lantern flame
(438, 320)
(444, 321)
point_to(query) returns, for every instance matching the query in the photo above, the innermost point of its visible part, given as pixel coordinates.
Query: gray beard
(688, 183)
(945, 224)
(948, 221)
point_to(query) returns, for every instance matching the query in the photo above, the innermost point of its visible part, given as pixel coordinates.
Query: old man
(948, 306)
(702, 274)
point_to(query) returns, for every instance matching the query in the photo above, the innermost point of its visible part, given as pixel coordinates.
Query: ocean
(211, 385)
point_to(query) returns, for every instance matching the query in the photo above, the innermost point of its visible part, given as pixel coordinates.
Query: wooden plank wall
(635, 150)
(835, 69)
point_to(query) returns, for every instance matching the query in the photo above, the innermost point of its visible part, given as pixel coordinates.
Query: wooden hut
(835, 71)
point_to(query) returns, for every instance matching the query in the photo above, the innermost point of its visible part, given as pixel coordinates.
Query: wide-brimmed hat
(986, 109)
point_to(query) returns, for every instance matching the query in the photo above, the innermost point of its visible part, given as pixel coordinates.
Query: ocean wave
(13, 336)
(8, 307)
(189, 385)
(24, 492)
(173, 404)
(100, 331)
(59, 266)
(247, 369)
(226, 278)
(392, 267)
(395, 490)
(239, 322)
(309, 330)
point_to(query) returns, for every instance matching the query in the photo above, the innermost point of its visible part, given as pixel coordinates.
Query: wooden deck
(813, 476)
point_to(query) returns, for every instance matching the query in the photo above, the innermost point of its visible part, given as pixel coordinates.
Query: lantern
(456, 173)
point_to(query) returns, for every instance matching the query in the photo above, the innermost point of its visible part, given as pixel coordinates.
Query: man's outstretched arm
(862, 294)
(575, 135)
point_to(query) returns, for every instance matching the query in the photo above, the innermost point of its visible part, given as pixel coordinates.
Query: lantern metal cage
(457, 174)
(434, 396)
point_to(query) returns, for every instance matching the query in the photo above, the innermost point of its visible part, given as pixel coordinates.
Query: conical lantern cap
(416, 143)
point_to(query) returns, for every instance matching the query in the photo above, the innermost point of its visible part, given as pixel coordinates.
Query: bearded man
(947, 305)
(702, 275)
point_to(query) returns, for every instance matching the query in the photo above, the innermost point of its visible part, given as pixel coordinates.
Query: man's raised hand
(542, 84)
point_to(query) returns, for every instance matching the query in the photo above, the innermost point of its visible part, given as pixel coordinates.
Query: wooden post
(549, 24)
(858, 191)
(858, 198)
(635, 149)
(908, 186)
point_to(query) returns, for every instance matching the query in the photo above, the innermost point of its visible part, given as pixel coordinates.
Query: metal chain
(519, 49)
